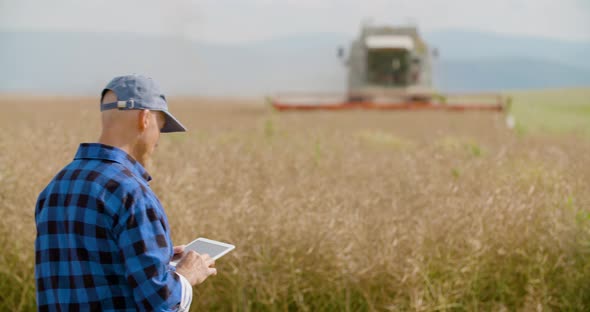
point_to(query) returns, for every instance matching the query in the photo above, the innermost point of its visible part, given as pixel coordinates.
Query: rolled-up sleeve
(146, 250)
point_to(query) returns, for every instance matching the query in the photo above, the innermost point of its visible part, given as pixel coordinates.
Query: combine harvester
(390, 68)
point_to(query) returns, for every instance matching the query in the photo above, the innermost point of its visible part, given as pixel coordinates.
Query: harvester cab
(388, 61)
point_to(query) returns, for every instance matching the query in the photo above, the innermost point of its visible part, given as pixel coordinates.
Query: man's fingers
(210, 263)
(186, 259)
(179, 249)
(205, 257)
(178, 252)
(212, 271)
(191, 255)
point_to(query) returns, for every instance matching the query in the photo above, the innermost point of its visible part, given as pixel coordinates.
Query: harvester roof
(409, 32)
(389, 42)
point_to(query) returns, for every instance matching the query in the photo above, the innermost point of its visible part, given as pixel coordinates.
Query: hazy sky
(241, 20)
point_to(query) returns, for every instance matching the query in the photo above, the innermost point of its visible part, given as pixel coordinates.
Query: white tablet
(213, 248)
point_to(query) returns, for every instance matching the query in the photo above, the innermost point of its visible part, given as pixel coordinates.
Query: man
(103, 240)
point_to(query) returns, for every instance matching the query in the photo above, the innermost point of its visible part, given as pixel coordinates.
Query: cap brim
(172, 124)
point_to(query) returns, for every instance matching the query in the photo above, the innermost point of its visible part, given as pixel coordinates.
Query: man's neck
(114, 141)
(129, 146)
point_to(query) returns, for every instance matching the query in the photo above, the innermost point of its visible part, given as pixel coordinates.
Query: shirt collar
(106, 152)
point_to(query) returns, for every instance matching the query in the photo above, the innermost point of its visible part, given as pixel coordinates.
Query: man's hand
(178, 251)
(196, 268)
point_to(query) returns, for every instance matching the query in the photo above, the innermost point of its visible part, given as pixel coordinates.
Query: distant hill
(507, 74)
(81, 63)
(472, 46)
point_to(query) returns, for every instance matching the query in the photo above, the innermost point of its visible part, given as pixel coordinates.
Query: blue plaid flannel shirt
(102, 238)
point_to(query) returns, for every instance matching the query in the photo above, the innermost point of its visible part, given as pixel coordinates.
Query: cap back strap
(129, 104)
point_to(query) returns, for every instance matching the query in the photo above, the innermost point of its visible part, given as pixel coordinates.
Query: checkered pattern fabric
(102, 241)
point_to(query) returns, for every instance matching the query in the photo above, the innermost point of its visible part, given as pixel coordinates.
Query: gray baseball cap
(140, 92)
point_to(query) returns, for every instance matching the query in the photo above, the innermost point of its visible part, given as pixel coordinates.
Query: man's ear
(143, 119)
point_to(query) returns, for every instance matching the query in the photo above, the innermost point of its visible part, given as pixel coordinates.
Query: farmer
(103, 239)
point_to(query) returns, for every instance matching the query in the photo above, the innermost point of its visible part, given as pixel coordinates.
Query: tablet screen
(213, 248)
(202, 247)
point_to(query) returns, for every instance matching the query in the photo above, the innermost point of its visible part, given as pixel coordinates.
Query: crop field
(342, 211)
